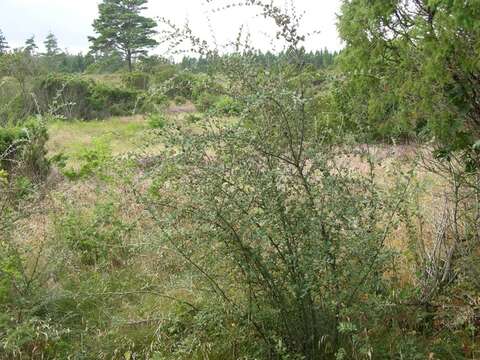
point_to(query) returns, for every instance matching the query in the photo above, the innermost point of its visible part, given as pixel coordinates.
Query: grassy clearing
(122, 135)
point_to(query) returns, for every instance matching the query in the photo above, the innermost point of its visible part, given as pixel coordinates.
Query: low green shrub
(164, 73)
(225, 105)
(113, 101)
(64, 95)
(205, 102)
(205, 84)
(136, 80)
(91, 161)
(75, 97)
(23, 150)
(8, 136)
(182, 84)
(193, 118)
(98, 238)
(48, 293)
(186, 331)
(15, 108)
(157, 121)
(219, 104)
(153, 100)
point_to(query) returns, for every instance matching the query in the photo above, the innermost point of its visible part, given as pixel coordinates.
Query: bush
(14, 105)
(136, 80)
(152, 101)
(193, 119)
(64, 95)
(182, 85)
(204, 83)
(98, 239)
(92, 161)
(46, 310)
(23, 151)
(218, 104)
(157, 121)
(205, 102)
(282, 232)
(180, 100)
(75, 97)
(300, 240)
(114, 101)
(164, 73)
(226, 105)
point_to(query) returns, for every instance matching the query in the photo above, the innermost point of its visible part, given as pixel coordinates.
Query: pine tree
(120, 26)
(30, 45)
(3, 44)
(51, 45)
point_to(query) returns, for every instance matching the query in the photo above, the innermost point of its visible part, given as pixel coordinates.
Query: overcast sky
(71, 20)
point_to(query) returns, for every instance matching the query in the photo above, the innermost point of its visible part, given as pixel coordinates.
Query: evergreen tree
(122, 27)
(51, 45)
(30, 45)
(3, 44)
(413, 68)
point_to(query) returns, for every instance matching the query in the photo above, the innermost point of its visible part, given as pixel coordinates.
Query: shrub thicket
(75, 97)
(22, 150)
(289, 241)
(136, 80)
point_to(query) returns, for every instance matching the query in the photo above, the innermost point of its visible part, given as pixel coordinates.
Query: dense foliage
(121, 26)
(412, 69)
(245, 205)
(22, 151)
(74, 97)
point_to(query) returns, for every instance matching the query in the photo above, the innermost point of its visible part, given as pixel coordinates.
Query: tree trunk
(129, 60)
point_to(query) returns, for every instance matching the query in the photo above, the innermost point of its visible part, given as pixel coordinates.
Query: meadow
(245, 205)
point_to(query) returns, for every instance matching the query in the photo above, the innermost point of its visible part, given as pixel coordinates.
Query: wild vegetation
(244, 204)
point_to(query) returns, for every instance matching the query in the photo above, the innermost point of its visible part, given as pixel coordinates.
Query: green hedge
(75, 97)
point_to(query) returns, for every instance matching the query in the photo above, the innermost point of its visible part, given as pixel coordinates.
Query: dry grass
(426, 194)
(391, 163)
(188, 107)
(111, 79)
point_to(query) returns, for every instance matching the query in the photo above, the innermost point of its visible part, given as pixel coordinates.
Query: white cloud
(70, 20)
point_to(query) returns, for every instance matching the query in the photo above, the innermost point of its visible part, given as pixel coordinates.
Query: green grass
(119, 135)
(72, 137)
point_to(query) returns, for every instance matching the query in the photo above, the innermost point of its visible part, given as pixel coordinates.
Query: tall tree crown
(51, 45)
(3, 43)
(121, 26)
(31, 45)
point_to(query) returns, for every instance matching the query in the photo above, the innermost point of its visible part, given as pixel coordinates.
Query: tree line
(125, 36)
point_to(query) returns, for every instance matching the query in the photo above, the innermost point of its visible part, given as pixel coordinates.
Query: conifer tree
(51, 45)
(3, 44)
(30, 45)
(121, 26)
